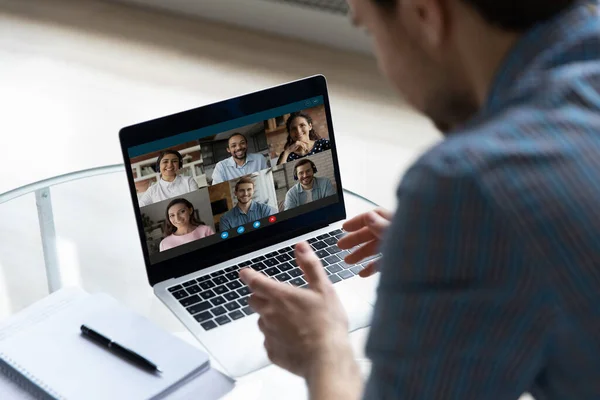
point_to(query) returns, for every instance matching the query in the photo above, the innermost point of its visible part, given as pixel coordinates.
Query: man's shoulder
(224, 162)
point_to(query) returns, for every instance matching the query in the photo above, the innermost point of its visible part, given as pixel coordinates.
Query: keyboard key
(248, 311)
(237, 314)
(333, 250)
(245, 264)
(232, 276)
(332, 259)
(207, 294)
(285, 250)
(217, 301)
(322, 253)
(312, 240)
(243, 301)
(203, 317)
(272, 271)
(283, 277)
(334, 268)
(336, 232)
(356, 269)
(218, 311)
(209, 325)
(188, 301)
(232, 306)
(175, 288)
(231, 296)
(296, 272)
(334, 278)
(180, 294)
(234, 285)
(327, 272)
(344, 265)
(323, 236)
(341, 235)
(245, 291)
(219, 280)
(371, 257)
(293, 262)
(203, 278)
(345, 274)
(297, 281)
(217, 273)
(343, 254)
(207, 285)
(304, 286)
(319, 245)
(285, 266)
(330, 241)
(229, 269)
(273, 254)
(283, 258)
(257, 259)
(193, 289)
(271, 262)
(196, 308)
(259, 266)
(190, 283)
(221, 289)
(222, 320)
(325, 263)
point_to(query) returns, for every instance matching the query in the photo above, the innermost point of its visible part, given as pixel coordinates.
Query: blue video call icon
(256, 224)
(224, 235)
(240, 230)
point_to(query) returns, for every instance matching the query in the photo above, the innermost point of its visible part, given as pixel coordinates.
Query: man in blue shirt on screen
(490, 276)
(309, 187)
(246, 210)
(240, 163)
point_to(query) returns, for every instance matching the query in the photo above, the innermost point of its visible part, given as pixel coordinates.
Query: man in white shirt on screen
(240, 163)
(309, 187)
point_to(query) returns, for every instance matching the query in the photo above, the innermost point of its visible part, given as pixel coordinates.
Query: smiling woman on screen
(181, 225)
(302, 139)
(170, 183)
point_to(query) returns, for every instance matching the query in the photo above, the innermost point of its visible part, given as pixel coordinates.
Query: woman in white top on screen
(182, 226)
(169, 184)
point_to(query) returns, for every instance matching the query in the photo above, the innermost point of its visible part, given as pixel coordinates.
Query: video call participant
(169, 184)
(182, 226)
(240, 163)
(302, 139)
(309, 187)
(246, 210)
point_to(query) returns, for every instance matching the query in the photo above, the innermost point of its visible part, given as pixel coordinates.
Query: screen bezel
(215, 113)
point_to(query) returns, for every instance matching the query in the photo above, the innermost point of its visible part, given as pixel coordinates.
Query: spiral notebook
(44, 356)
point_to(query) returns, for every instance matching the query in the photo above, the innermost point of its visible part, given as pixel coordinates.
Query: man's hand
(306, 330)
(365, 230)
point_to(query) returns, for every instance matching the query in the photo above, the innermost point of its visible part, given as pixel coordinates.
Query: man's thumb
(311, 265)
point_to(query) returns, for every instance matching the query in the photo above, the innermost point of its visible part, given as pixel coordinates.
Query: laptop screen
(229, 182)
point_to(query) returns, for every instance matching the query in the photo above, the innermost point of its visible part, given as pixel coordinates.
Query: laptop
(237, 184)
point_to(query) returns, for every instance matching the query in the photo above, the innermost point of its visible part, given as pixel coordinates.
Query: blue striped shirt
(490, 280)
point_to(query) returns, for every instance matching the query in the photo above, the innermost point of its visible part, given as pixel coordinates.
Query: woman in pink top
(182, 226)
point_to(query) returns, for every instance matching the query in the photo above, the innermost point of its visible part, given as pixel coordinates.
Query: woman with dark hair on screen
(302, 139)
(170, 183)
(182, 226)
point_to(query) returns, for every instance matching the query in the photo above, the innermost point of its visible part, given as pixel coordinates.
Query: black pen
(119, 350)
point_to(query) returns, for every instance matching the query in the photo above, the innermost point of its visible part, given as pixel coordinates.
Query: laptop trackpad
(358, 309)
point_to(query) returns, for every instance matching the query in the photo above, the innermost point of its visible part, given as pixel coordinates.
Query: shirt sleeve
(291, 200)
(193, 184)
(459, 313)
(263, 162)
(146, 198)
(224, 223)
(328, 188)
(217, 175)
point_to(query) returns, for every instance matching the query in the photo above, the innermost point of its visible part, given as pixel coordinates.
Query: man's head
(244, 189)
(442, 54)
(237, 146)
(304, 171)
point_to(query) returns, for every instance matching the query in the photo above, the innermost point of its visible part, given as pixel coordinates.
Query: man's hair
(234, 135)
(511, 15)
(245, 179)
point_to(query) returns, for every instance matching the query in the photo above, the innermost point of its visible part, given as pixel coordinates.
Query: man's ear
(428, 20)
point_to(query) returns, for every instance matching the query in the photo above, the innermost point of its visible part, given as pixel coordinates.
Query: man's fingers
(257, 303)
(370, 269)
(359, 221)
(363, 252)
(261, 285)
(355, 238)
(311, 265)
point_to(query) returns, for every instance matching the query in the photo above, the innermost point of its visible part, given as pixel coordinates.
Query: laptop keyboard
(221, 297)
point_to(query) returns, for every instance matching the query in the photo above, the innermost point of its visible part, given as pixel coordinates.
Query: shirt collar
(538, 49)
(166, 183)
(230, 162)
(252, 208)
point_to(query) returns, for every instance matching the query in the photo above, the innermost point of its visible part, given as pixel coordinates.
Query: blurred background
(73, 72)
